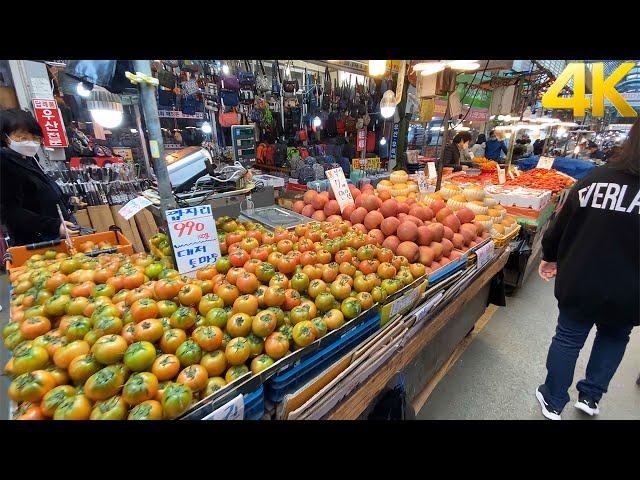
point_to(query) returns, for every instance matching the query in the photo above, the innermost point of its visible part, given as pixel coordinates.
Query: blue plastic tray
(448, 270)
(254, 404)
(290, 379)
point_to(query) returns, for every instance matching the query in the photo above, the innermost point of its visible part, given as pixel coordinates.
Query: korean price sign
(431, 167)
(485, 253)
(194, 237)
(50, 121)
(340, 187)
(134, 206)
(232, 410)
(502, 177)
(545, 162)
(422, 182)
(362, 139)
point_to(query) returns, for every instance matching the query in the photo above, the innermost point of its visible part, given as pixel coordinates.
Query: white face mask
(27, 148)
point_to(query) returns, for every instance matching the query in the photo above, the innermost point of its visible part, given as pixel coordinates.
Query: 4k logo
(601, 88)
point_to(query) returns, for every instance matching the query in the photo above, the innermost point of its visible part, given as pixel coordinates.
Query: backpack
(280, 154)
(270, 154)
(340, 126)
(304, 153)
(371, 142)
(261, 152)
(330, 127)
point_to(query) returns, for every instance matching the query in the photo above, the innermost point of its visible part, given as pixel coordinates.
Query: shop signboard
(124, 152)
(194, 238)
(394, 141)
(50, 120)
(340, 188)
(362, 139)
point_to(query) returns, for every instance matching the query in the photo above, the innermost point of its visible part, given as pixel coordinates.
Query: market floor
(496, 376)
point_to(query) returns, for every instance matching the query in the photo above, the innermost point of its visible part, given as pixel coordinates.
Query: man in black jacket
(593, 247)
(28, 196)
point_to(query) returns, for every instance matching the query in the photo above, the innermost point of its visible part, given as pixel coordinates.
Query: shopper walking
(494, 147)
(28, 196)
(593, 247)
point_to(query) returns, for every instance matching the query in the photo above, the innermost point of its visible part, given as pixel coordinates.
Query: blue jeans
(606, 355)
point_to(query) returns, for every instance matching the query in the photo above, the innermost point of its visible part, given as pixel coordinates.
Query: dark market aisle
(496, 376)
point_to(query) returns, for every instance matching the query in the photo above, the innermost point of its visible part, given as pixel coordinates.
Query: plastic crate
(254, 404)
(292, 378)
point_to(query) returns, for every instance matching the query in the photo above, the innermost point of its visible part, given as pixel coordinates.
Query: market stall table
(359, 400)
(574, 167)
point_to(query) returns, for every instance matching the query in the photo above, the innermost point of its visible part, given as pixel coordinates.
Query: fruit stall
(283, 317)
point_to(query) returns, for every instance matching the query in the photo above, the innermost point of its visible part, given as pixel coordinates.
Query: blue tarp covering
(571, 166)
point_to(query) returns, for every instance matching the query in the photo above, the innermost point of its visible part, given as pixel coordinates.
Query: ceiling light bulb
(383, 141)
(429, 68)
(388, 104)
(377, 67)
(463, 64)
(225, 69)
(317, 121)
(84, 89)
(107, 118)
(206, 128)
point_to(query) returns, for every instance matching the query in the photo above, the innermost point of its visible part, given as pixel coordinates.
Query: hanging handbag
(189, 87)
(371, 142)
(256, 115)
(229, 98)
(166, 79)
(227, 119)
(340, 126)
(327, 94)
(229, 82)
(166, 98)
(262, 82)
(247, 79)
(350, 124)
(302, 135)
(291, 102)
(275, 80)
(247, 96)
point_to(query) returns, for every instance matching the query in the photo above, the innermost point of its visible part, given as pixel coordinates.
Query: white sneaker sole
(545, 412)
(586, 409)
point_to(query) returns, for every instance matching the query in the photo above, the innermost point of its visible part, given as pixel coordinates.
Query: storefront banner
(362, 139)
(194, 237)
(394, 142)
(50, 120)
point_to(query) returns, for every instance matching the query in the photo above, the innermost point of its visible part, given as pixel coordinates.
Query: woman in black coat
(28, 196)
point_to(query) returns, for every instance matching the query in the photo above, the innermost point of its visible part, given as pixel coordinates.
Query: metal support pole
(445, 135)
(143, 141)
(403, 125)
(152, 121)
(512, 144)
(546, 141)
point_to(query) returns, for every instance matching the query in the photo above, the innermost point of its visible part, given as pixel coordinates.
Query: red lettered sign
(50, 120)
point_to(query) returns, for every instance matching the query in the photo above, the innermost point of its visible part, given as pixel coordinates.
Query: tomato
(276, 345)
(34, 327)
(75, 407)
(189, 353)
(143, 309)
(103, 311)
(56, 305)
(209, 338)
(304, 333)
(291, 299)
(223, 264)
(264, 323)
(113, 408)
(166, 367)
(183, 317)
(404, 275)
(139, 356)
(214, 362)
(166, 308)
(206, 273)
(148, 410)
(362, 284)
(54, 397)
(351, 308)
(153, 270)
(64, 355)
(169, 273)
(274, 258)
(60, 375)
(228, 293)
(334, 319)
(166, 289)
(104, 384)
(27, 358)
(214, 384)
(133, 279)
(299, 314)
(391, 285)
(216, 317)
(237, 351)
(10, 328)
(365, 299)
(102, 290)
(129, 332)
(274, 296)
(300, 282)
(140, 387)
(247, 283)
(239, 325)
(312, 271)
(108, 325)
(248, 244)
(378, 294)
(53, 282)
(76, 306)
(78, 328)
(190, 295)
(175, 400)
(261, 253)
(150, 330)
(256, 345)
(82, 367)
(235, 372)
(69, 265)
(324, 301)
(316, 287)
(340, 289)
(239, 257)
(268, 238)
(194, 376)
(31, 386)
(287, 330)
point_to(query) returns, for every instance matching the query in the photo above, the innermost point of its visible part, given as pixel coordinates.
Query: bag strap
(246, 65)
(262, 67)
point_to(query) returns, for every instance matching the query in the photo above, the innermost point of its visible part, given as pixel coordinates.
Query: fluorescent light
(317, 121)
(107, 118)
(133, 130)
(429, 68)
(225, 69)
(463, 64)
(105, 108)
(84, 89)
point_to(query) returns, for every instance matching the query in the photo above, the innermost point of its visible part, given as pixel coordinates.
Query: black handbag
(275, 80)
(166, 98)
(166, 78)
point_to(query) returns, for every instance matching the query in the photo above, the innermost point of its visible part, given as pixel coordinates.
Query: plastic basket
(501, 241)
(254, 404)
(292, 378)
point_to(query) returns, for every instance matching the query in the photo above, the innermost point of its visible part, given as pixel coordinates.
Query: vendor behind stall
(494, 147)
(457, 153)
(28, 196)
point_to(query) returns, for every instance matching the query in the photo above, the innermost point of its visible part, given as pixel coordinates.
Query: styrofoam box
(520, 196)
(269, 180)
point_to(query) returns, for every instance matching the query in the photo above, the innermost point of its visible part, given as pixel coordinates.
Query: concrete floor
(496, 377)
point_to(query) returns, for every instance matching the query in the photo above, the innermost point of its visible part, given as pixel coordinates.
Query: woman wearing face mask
(28, 196)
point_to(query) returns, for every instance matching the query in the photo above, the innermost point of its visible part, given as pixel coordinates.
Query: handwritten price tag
(502, 178)
(511, 175)
(340, 187)
(405, 302)
(485, 253)
(431, 167)
(232, 410)
(422, 182)
(545, 162)
(188, 227)
(134, 206)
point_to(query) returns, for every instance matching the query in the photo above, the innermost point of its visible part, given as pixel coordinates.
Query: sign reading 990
(602, 87)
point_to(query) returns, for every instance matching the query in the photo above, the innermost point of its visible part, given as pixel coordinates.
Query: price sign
(134, 206)
(545, 162)
(502, 178)
(405, 302)
(340, 187)
(422, 182)
(194, 237)
(511, 175)
(431, 167)
(232, 410)
(485, 253)
(362, 139)
(517, 170)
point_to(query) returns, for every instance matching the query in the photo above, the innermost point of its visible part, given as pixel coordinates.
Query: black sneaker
(587, 404)
(548, 411)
